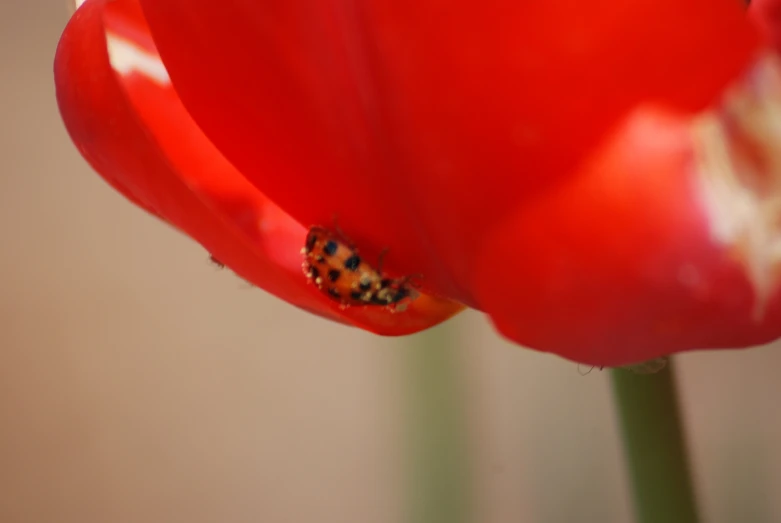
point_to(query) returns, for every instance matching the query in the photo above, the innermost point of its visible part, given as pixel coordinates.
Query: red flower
(601, 178)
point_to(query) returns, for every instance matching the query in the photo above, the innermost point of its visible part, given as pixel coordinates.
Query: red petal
(423, 124)
(766, 14)
(133, 129)
(626, 268)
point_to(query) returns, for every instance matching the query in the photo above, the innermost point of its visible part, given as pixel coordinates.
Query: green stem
(436, 430)
(654, 445)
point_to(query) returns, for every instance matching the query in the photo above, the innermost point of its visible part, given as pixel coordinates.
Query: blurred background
(139, 383)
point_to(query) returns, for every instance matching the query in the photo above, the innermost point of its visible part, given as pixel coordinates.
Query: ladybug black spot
(352, 263)
(356, 295)
(365, 285)
(401, 293)
(314, 273)
(310, 242)
(333, 292)
(330, 247)
(334, 274)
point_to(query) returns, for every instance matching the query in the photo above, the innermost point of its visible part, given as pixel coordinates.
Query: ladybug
(332, 263)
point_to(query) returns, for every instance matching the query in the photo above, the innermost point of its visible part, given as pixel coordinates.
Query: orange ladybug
(334, 266)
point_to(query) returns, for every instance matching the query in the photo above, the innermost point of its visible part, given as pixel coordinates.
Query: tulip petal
(423, 124)
(766, 14)
(683, 254)
(128, 122)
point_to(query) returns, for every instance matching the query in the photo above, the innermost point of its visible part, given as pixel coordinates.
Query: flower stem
(436, 430)
(654, 445)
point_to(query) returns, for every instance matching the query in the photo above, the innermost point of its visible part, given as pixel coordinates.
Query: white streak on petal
(127, 58)
(738, 162)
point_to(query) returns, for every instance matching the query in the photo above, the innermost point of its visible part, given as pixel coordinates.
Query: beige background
(140, 384)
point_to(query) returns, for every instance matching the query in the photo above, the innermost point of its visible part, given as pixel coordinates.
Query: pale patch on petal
(127, 58)
(738, 164)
